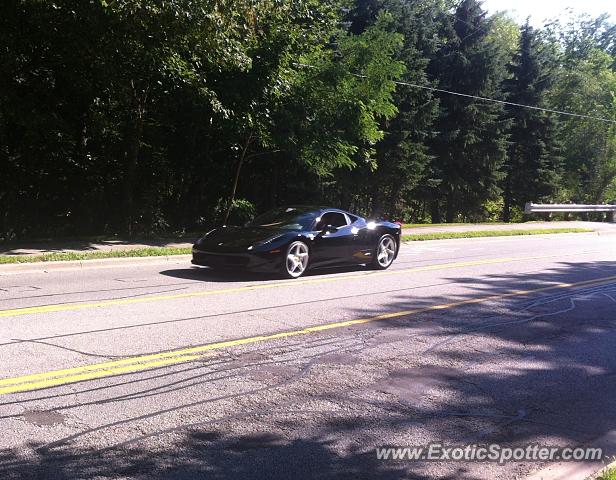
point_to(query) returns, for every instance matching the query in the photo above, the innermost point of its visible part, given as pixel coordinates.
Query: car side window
(334, 219)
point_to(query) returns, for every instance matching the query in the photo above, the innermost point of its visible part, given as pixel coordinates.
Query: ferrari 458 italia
(291, 240)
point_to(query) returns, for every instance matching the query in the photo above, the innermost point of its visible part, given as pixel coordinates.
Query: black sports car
(292, 239)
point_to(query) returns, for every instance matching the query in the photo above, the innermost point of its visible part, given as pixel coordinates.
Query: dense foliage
(142, 116)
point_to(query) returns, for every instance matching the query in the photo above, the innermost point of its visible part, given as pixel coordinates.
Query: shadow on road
(204, 454)
(206, 274)
(545, 363)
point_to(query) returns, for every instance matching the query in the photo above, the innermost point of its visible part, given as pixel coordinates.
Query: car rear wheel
(385, 252)
(296, 260)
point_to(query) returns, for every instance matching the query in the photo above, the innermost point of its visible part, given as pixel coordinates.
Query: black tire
(384, 252)
(295, 268)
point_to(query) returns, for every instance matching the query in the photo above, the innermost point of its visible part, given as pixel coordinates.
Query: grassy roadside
(59, 256)
(456, 224)
(489, 233)
(609, 474)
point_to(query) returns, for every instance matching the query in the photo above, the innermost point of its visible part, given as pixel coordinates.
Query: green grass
(171, 236)
(489, 233)
(59, 256)
(459, 224)
(609, 474)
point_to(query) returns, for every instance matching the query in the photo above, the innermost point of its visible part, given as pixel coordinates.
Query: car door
(362, 247)
(333, 239)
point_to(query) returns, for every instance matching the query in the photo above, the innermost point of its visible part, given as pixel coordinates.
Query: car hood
(230, 238)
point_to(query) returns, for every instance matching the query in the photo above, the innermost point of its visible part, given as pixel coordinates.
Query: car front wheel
(296, 260)
(385, 252)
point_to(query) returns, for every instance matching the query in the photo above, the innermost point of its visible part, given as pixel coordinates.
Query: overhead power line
(504, 102)
(487, 99)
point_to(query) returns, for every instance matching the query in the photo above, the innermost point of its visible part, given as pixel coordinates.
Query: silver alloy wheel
(386, 251)
(297, 259)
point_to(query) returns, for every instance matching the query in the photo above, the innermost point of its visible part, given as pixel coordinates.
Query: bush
(242, 211)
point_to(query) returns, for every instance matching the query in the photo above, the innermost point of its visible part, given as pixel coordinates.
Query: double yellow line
(66, 307)
(90, 372)
(145, 362)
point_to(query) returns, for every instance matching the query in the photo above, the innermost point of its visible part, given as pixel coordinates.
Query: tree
(533, 164)
(586, 84)
(328, 118)
(157, 48)
(318, 106)
(389, 185)
(469, 148)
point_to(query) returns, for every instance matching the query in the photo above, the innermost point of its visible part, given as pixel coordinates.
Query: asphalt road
(168, 371)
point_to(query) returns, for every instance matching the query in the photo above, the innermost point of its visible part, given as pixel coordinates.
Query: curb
(583, 470)
(62, 265)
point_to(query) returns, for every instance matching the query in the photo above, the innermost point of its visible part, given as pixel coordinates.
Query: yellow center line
(144, 362)
(65, 307)
(127, 362)
(94, 374)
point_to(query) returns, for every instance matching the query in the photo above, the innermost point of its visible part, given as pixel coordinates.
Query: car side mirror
(329, 229)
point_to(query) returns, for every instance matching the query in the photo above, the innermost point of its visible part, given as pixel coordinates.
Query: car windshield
(286, 218)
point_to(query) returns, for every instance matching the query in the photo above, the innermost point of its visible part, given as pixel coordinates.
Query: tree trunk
(273, 191)
(435, 211)
(450, 209)
(240, 163)
(133, 148)
(132, 157)
(377, 202)
(507, 203)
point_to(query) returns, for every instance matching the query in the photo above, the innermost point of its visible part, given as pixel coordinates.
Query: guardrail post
(612, 216)
(528, 208)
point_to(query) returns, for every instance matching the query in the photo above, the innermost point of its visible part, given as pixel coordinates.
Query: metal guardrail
(570, 208)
